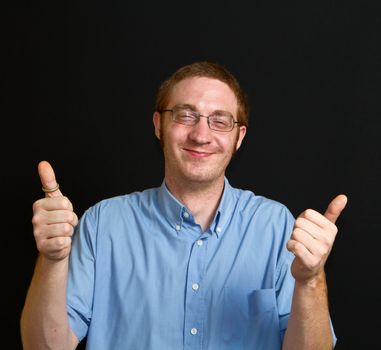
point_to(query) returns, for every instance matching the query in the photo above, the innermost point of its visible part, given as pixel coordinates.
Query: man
(193, 264)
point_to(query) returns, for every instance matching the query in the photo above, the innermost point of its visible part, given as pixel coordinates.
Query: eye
(221, 121)
(185, 116)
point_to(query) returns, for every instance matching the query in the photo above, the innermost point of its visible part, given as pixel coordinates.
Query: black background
(80, 81)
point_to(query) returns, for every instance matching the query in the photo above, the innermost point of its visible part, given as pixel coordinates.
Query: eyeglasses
(216, 122)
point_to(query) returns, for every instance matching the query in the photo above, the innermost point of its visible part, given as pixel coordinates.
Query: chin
(202, 176)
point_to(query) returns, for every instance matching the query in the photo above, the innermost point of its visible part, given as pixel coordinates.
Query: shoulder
(249, 202)
(124, 203)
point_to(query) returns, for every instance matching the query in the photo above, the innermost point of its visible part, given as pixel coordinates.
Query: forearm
(44, 320)
(309, 323)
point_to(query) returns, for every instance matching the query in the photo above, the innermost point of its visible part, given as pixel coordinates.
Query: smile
(197, 154)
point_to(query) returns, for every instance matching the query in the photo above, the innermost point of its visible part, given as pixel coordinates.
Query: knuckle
(62, 242)
(297, 246)
(327, 242)
(66, 203)
(36, 232)
(75, 221)
(309, 213)
(37, 204)
(36, 220)
(297, 232)
(67, 229)
(40, 246)
(59, 242)
(70, 216)
(63, 203)
(334, 229)
(299, 221)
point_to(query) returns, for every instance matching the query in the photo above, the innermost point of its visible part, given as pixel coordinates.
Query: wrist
(316, 282)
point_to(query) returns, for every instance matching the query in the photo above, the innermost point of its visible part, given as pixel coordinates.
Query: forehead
(206, 94)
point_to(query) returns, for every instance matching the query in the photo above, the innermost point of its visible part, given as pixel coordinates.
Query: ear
(157, 124)
(241, 136)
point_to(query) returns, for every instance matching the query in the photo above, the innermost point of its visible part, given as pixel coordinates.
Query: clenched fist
(53, 218)
(312, 240)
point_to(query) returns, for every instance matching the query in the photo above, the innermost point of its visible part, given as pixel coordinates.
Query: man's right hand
(53, 218)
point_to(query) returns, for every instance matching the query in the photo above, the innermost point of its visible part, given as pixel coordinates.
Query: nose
(201, 133)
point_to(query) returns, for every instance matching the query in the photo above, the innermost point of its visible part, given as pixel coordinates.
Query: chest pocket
(250, 319)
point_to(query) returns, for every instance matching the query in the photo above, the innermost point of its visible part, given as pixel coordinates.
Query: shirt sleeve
(80, 288)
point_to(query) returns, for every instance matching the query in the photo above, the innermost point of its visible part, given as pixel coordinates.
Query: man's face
(197, 153)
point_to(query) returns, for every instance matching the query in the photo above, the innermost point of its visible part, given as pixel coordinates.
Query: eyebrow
(194, 109)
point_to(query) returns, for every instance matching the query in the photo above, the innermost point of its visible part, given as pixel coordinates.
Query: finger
(318, 219)
(303, 237)
(302, 255)
(299, 250)
(317, 247)
(55, 246)
(55, 230)
(55, 203)
(43, 218)
(336, 207)
(325, 233)
(48, 178)
(309, 226)
(60, 217)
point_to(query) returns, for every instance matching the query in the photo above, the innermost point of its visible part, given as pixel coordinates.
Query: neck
(202, 199)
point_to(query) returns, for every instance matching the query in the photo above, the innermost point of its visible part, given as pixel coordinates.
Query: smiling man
(199, 136)
(192, 264)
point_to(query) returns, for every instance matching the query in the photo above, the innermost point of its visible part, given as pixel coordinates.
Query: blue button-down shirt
(144, 275)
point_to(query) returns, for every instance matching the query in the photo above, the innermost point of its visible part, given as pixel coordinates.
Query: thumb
(336, 207)
(48, 179)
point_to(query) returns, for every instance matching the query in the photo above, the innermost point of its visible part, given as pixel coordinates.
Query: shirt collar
(224, 210)
(174, 210)
(171, 208)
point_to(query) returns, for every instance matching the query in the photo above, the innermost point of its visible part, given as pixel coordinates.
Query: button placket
(194, 308)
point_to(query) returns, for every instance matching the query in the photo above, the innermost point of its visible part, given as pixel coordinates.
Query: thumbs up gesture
(312, 240)
(53, 217)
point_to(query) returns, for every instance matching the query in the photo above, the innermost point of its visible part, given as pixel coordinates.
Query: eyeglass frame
(198, 116)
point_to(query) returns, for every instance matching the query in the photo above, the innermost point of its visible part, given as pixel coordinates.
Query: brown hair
(206, 70)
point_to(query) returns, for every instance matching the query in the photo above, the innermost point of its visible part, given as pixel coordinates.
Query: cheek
(229, 144)
(171, 136)
(165, 137)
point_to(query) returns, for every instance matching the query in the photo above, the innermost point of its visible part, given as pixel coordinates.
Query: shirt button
(195, 286)
(200, 242)
(218, 229)
(194, 331)
(178, 227)
(186, 215)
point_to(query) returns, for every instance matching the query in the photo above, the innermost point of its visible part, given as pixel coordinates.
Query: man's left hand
(312, 240)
